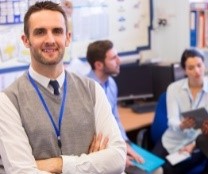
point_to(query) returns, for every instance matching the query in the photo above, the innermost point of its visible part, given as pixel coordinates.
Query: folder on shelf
(151, 161)
(193, 29)
(206, 28)
(201, 29)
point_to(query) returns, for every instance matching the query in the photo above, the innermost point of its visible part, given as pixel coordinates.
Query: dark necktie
(55, 85)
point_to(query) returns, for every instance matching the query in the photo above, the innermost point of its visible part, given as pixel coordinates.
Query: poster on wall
(12, 11)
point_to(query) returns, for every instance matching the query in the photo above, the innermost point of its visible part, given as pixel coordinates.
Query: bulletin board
(126, 22)
(13, 11)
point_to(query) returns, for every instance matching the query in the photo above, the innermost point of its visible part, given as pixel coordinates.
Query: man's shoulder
(82, 79)
(81, 84)
(17, 83)
(112, 81)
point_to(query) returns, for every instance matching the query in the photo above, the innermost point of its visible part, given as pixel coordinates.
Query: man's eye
(39, 32)
(58, 31)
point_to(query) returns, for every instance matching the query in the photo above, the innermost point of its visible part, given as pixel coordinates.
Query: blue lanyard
(202, 93)
(57, 129)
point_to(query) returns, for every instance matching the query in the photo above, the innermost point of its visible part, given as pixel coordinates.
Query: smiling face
(47, 38)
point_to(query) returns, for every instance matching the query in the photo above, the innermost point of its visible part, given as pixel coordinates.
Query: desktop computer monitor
(178, 72)
(134, 82)
(164, 75)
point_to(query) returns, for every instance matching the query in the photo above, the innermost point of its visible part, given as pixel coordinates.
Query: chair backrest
(159, 124)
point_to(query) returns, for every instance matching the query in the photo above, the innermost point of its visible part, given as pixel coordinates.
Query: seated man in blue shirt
(105, 62)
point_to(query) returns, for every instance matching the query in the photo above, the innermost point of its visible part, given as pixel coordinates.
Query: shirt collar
(44, 81)
(94, 76)
(204, 88)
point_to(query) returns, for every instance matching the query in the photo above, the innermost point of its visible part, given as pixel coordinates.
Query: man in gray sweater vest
(52, 121)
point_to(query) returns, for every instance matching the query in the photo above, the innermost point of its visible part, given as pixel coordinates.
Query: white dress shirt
(17, 154)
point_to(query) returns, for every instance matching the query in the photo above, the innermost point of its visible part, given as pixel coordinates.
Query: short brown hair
(97, 50)
(38, 6)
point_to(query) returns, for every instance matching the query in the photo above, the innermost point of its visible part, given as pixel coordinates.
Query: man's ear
(68, 39)
(98, 65)
(25, 41)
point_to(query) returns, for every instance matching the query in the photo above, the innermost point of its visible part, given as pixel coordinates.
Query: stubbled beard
(41, 59)
(110, 72)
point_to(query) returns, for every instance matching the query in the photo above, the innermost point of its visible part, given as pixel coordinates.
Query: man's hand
(52, 165)
(98, 143)
(132, 155)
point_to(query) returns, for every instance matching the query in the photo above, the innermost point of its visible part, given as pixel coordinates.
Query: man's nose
(49, 38)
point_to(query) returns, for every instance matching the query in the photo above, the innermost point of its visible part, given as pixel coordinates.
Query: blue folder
(193, 28)
(151, 161)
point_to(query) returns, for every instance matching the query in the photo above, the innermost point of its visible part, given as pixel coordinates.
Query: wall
(170, 40)
(167, 41)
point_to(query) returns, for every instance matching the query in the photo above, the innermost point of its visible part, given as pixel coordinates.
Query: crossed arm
(54, 165)
(15, 149)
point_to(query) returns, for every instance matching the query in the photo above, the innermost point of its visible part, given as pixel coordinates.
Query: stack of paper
(177, 157)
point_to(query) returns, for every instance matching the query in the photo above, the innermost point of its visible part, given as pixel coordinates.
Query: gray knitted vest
(78, 124)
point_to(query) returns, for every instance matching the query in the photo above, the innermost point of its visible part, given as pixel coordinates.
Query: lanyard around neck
(57, 129)
(200, 98)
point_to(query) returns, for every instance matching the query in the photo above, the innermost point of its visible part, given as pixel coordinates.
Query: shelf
(12, 65)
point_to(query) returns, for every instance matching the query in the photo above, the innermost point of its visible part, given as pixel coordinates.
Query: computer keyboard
(144, 107)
